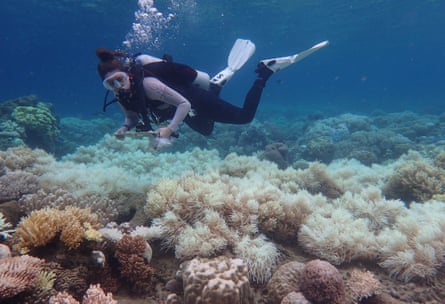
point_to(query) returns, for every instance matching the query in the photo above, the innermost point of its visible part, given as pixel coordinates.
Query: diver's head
(117, 80)
(110, 61)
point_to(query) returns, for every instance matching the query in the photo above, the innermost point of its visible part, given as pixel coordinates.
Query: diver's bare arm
(157, 90)
(131, 118)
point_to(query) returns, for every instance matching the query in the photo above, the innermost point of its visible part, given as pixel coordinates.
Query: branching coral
(18, 274)
(130, 252)
(41, 227)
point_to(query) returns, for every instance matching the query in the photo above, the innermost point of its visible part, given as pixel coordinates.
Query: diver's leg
(219, 110)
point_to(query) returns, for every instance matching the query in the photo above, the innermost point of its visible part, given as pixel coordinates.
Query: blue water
(386, 55)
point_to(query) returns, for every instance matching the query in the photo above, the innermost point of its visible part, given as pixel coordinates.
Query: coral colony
(115, 220)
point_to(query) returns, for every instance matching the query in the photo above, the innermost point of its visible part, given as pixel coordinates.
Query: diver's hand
(164, 132)
(120, 133)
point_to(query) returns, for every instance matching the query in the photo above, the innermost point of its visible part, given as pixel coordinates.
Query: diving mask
(117, 81)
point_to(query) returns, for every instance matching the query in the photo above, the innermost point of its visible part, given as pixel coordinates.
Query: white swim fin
(241, 51)
(279, 63)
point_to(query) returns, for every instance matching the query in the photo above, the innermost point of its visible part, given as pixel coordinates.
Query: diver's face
(116, 81)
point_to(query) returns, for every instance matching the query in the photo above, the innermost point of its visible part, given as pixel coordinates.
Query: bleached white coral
(337, 237)
(422, 255)
(260, 255)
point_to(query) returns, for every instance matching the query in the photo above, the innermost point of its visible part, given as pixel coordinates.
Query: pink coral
(322, 283)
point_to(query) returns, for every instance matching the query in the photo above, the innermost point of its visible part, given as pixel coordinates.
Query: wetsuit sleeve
(156, 90)
(131, 118)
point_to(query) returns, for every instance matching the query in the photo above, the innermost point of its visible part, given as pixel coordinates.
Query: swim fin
(241, 51)
(279, 63)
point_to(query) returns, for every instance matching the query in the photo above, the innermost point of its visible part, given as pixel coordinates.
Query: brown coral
(41, 227)
(322, 283)
(218, 281)
(18, 274)
(133, 267)
(294, 298)
(286, 279)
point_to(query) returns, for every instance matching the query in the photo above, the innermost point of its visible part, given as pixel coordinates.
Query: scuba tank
(175, 70)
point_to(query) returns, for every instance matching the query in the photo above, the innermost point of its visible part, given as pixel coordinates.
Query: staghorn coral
(130, 252)
(18, 274)
(286, 279)
(41, 227)
(217, 281)
(322, 283)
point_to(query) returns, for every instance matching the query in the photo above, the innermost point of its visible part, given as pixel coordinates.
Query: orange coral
(18, 274)
(41, 226)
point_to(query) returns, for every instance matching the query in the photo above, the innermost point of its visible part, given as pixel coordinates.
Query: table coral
(216, 281)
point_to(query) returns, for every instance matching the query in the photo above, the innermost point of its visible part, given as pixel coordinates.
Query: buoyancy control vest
(179, 77)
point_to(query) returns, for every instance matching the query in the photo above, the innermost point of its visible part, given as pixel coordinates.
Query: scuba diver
(153, 90)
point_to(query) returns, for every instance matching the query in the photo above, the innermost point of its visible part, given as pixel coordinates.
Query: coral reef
(217, 281)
